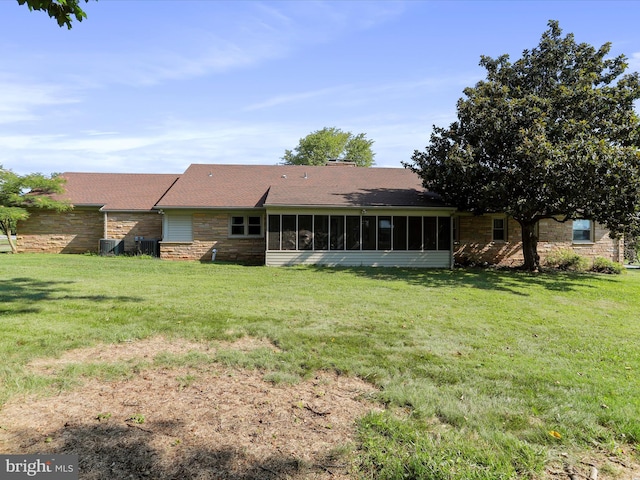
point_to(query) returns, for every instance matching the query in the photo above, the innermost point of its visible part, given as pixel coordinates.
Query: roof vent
(283, 176)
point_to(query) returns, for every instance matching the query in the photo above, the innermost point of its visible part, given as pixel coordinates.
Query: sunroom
(360, 237)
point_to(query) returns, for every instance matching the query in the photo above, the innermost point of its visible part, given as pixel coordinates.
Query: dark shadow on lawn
(110, 451)
(30, 291)
(512, 281)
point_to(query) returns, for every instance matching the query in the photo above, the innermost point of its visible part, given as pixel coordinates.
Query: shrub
(567, 260)
(632, 248)
(604, 265)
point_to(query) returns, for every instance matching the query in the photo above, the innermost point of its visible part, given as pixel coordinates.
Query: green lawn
(477, 367)
(4, 244)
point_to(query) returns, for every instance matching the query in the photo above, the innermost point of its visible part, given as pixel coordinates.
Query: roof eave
(207, 207)
(380, 207)
(150, 210)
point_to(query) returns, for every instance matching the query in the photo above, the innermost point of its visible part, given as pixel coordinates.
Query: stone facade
(77, 231)
(211, 231)
(475, 242)
(80, 230)
(128, 225)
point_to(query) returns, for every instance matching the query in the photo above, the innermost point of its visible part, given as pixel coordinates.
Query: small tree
(553, 135)
(320, 146)
(19, 193)
(60, 10)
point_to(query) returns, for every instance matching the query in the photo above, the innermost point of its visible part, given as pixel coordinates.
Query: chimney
(340, 163)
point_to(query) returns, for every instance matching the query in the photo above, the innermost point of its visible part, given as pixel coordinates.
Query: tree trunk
(12, 244)
(530, 246)
(7, 231)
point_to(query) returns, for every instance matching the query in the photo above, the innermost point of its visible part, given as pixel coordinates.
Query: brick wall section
(211, 230)
(128, 225)
(476, 245)
(80, 230)
(77, 231)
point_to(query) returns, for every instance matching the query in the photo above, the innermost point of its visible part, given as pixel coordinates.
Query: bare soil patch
(205, 422)
(213, 421)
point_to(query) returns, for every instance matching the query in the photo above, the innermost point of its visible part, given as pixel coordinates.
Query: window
(273, 241)
(368, 233)
(354, 232)
(245, 226)
(321, 232)
(499, 229)
(178, 228)
(415, 233)
(254, 226)
(399, 233)
(336, 226)
(444, 233)
(289, 232)
(305, 232)
(582, 230)
(384, 233)
(430, 233)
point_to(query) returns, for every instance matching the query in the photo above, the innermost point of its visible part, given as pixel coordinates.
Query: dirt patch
(206, 422)
(212, 421)
(594, 466)
(146, 349)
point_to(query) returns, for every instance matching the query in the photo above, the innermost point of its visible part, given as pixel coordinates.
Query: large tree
(331, 143)
(552, 135)
(19, 193)
(62, 11)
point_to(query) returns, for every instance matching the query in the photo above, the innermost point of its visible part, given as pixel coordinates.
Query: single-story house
(285, 215)
(105, 205)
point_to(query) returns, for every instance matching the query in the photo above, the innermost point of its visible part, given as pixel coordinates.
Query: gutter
(346, 207)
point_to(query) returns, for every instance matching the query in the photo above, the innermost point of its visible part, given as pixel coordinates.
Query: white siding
(429, 259)
(178, 228)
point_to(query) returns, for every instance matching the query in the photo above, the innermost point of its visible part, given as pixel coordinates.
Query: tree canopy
(19, 193)
(63, 11)
(551, 135)
(331, 143)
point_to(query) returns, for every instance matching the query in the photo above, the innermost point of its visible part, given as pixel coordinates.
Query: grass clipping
(208, 421)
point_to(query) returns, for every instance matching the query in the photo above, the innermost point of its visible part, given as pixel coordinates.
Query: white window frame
(245, 225)
(574, 230)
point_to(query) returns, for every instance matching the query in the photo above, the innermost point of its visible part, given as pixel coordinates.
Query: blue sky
(155, 85)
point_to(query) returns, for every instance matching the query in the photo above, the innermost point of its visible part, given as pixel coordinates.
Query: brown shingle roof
(116, 191)
(241, 186)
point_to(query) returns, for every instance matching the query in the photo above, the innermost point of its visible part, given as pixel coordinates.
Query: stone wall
(77, 231)
(211, 230)
(475, 243)
(128, 225)
(80, 230)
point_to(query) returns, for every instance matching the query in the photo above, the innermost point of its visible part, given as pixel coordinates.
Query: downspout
(106, 220)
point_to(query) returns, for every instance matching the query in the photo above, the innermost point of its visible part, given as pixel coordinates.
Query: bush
(567, 260)
(632, 248)
(604, 265)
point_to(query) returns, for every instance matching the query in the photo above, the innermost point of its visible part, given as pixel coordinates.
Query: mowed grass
(4, 244)
(487, 374)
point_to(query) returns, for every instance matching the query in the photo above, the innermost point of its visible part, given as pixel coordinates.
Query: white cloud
(217, 40)
(294, 98)
(358, 95)
(20, 100)
(169, 149)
